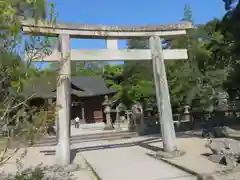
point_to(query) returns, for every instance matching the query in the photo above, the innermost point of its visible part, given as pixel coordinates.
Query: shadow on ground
(142, 143)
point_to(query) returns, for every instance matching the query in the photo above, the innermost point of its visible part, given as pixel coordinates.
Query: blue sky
(132, 12)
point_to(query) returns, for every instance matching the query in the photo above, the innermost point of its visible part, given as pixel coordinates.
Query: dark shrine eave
(79, 94)
(50, 92)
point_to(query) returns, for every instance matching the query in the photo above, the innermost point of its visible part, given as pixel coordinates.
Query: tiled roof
(86, 87)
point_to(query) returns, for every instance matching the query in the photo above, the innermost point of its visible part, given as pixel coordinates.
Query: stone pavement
(123, 159)
(129, 159)
(194, 157)
(117, 159)
(195, 161)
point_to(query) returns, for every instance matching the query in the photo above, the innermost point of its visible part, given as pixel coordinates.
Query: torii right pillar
(162, 95)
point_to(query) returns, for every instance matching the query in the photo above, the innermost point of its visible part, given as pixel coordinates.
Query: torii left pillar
(63, 100)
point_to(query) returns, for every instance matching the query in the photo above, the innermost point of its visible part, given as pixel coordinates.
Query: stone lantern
(137, 118)
(107, 110)
(148, 109)
(122, 109)
(186, 113)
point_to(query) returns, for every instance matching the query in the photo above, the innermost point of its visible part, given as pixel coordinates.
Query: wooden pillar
(64, 98)
(83, 111)
(162, 95)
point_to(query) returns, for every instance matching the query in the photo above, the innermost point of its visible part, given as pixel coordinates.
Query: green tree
(88, 68)
(113, 75)
(188, 13)
(208, 65)
(138, 77)
(206, 69)
(229, 3)
(14, 72)
(199, 77)
(82, 68)
(230, 27)
(12, 11)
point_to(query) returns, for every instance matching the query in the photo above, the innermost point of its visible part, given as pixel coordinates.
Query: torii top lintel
(101, 31)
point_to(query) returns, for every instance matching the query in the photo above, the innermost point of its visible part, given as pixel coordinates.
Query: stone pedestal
(140, 125)
(58, 152)
(108, 125)
(170, 155)
(117, 123)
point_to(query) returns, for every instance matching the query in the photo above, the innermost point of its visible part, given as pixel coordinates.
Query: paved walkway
(121, 159)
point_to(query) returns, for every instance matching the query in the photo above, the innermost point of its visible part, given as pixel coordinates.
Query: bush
(39, 173)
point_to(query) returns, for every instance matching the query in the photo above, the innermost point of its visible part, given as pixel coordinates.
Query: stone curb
(93, 170)
(177, 166)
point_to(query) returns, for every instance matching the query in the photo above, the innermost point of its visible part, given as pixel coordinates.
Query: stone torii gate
(111, 34)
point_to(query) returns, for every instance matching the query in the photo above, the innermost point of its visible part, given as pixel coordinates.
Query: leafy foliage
(138, 84)
(15, 116)
(113, 75)
(39, 173)
(208, 65)
(199, 77)
(229, 4)
(87, 68)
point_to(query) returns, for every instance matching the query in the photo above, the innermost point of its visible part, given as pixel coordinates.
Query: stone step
(94, 126)
(51, 141)
(92, 135)
(98, 126)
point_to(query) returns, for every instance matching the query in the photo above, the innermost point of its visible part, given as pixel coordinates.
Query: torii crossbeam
(65, 31)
